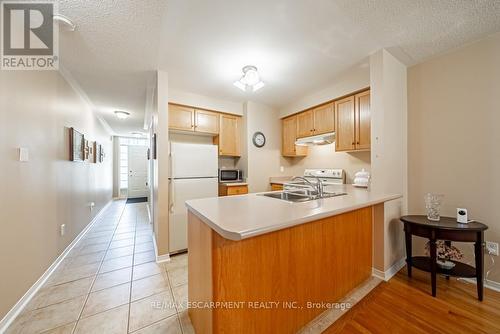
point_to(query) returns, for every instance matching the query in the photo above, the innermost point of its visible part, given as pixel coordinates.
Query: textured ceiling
(112, 54)
(298, 46)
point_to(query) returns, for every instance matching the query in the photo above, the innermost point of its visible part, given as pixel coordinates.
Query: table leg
(479, 257)
(447, 243)
(408, 252)
(433, 265)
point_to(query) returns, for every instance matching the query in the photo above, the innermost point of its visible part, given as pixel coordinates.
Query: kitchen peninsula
(252, 250)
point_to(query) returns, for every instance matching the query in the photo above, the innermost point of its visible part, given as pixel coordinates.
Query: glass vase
(433, 205)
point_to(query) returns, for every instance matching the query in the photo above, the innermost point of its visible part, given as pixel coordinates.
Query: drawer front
(276, 186)
(237, 190)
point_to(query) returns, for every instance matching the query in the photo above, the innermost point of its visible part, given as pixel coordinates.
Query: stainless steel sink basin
(300, 196)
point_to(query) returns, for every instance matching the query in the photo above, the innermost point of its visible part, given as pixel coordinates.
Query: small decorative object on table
(445, 253)
(433, 205)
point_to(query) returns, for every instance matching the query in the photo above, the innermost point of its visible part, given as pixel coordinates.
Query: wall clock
(259, 139)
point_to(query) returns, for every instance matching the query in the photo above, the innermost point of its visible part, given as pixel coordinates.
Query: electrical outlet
(92, 204)
(492, 248)
(63, 229)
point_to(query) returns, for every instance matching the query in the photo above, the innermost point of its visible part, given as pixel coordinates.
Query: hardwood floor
(405, 305)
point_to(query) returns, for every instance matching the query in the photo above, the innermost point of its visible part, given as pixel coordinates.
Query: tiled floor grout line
(173, 296)
(132, 275)
(97, 273)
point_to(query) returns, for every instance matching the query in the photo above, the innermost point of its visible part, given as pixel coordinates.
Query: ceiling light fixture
(249, 80)
(63, 19)
(122, 114)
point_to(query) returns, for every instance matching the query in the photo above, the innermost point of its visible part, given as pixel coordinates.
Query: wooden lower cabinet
(229, 190)
(276, 186)
(321, 261)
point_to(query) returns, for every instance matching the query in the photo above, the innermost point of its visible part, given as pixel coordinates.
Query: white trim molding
(389, 273)
(160, 258)
(21, 303)
(492, 285)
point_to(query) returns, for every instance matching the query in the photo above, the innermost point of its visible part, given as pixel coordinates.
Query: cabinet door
(229, 136)
(363, 119)
(345, 134)
(289, 136)
(324, 119)
(206, 121)
(180, 118)
(305, 124)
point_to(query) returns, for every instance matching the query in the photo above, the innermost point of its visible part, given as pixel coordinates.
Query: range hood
(323, 139)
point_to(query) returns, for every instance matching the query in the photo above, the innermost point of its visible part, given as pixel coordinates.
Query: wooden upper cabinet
(345, 124)
(180, 118)
(289, 136)
(324, 119)
(363, 121)
(229, 135)
(305, 124)
(206, 121)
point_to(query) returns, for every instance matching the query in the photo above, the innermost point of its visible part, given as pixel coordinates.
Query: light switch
(23, 154)
(282, 169)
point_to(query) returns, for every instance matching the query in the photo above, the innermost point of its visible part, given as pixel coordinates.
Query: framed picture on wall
(92, 152)
(100, 153)
(76, 146)
(86, 149)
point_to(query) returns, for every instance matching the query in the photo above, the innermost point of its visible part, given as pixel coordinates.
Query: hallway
(110, 283)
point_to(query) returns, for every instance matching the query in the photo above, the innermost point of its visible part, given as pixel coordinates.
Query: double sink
(302, 195)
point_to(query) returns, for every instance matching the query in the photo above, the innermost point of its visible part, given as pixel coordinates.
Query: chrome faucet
(318, 187)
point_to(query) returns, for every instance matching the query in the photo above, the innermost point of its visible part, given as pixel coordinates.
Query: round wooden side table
(447, 229)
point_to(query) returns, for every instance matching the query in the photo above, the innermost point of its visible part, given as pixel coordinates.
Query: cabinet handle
(353, 143)
(357, 142)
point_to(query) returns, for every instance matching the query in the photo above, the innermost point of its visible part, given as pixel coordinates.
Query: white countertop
(245, 216)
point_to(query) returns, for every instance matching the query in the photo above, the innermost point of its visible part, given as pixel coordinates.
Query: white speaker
(462, 216)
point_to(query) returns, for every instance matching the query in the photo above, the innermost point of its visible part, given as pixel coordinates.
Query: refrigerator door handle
(172, 196)
(172, 187)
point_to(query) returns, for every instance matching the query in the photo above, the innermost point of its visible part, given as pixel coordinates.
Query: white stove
(326, 175)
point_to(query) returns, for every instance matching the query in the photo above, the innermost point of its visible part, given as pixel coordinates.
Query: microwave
(230, 175)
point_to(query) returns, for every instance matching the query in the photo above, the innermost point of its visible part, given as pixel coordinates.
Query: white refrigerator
(193, 174)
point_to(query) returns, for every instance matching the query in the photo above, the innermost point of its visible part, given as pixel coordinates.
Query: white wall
(389, 145)
(265, 161)
(37, 108)
(206, 102)
(353, 79)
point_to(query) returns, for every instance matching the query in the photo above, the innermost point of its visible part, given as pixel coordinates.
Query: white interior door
(182, 190)
(137, 171)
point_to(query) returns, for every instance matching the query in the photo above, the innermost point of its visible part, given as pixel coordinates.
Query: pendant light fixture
(250, 79)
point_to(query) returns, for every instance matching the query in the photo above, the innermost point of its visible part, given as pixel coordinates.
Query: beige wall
(265, 161)
(36, 197)
(202, 101)
(325, 157)
(454, 134)
(353, 79)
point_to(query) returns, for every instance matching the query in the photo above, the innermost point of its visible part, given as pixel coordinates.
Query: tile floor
(110, 283)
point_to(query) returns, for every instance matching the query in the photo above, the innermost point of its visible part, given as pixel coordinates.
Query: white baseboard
(160, 258)
(19, 306)
(487, 283)
(389, 273)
